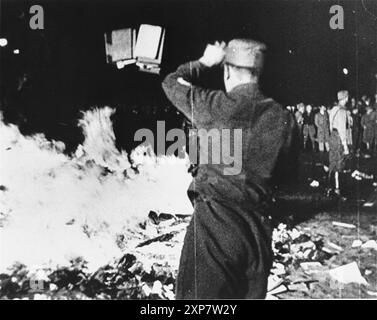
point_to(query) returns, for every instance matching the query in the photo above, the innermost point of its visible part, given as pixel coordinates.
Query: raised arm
(193, 101)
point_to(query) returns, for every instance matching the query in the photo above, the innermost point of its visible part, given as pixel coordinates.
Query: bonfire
(90, 205)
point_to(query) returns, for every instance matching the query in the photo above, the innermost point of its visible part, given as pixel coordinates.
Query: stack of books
(145, 50)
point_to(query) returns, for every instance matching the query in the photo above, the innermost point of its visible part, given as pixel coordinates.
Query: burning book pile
(57, 207)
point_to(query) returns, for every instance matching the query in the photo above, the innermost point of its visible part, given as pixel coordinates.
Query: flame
(55, 207)
(99, 143)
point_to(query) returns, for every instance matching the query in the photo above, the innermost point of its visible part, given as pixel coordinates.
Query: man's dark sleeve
(195, 102)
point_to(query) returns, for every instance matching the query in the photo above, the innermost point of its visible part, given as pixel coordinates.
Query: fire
(55, 207)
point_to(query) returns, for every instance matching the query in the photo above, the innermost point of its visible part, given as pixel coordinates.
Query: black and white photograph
(188, 150)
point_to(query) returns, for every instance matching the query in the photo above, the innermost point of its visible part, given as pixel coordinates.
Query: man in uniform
(321, 120)
(309, 126)
(299, 115)
(227, 249)
(369, 122)
(338, 118)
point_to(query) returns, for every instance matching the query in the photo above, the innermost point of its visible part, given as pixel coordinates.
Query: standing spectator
(309, 126)
(353, 103)
(364, 100)
(356, 130)
(299, 115)
(349, 129)
(321, 120)
(368, 122)
(360, 106)
(368, 102)
(338, 138)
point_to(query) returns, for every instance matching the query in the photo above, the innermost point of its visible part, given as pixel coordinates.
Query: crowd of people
(360, 123)
(348, 127)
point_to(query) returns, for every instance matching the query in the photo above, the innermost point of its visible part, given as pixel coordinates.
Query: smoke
(55, 207)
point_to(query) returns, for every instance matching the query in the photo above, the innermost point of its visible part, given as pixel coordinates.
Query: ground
(319, 228)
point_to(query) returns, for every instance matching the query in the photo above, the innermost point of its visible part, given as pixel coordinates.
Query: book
(120, 44)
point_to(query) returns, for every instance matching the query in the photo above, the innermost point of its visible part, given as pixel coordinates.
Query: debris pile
(148, 273)
(123, 279)
(309, 264)
(361, 175)
(294, 246)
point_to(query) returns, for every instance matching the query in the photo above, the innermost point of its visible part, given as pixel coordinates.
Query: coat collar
(250, 89)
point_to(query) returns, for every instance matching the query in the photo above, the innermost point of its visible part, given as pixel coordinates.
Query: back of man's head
(245, 53)
(244, 60)
(343, 97)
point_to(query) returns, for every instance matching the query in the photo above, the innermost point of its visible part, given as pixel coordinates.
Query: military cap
(245, 53)
(343, 94)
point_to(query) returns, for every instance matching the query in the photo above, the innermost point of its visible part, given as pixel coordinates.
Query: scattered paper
(314, 184)
(368, 204)
(372, 293)
(349, 273)
(361, 175)
(344, 225)
(147, 291)
(271, 297)
(298, 287)
(327, 250)
(335, 246)
(371, 200)
(311, 267)
(282, 288)
(278, 269)
(356, 243)
(368, 272)
(157, 287)
(370, 244)
(295, 233)
(273, 282)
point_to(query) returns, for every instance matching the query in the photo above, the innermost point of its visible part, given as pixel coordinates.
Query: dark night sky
(66, 61)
